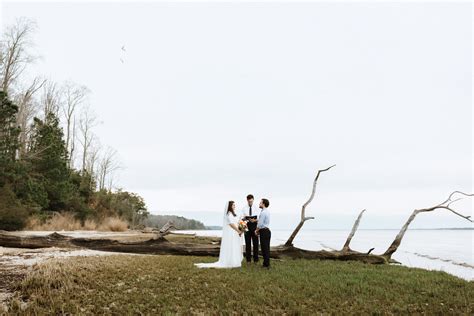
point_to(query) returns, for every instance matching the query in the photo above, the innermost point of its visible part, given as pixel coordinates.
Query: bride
(230, 255)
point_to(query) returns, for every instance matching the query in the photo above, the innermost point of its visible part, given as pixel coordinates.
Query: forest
(54, 171)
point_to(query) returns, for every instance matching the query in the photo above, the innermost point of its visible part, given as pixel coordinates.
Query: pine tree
(9, 143)
(50, 161)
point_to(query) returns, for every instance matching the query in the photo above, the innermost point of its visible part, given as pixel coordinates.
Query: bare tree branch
(15, 57)
(27, 109)
(51, 99)
(107, 166)
(443, 205)
(92, 159)
(354, 229)
(74, 95)
(87, 121)
(289, 242)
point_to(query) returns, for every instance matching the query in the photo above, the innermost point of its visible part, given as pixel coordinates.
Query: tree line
(179, 222)
(50, 158)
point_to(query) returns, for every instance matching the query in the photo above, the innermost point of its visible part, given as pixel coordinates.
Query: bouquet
(243, 226)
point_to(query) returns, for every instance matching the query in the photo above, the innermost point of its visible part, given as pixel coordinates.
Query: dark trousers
(251, 240)
(265, 235)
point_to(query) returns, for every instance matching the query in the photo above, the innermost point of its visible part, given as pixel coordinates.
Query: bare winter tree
(14, 52)
(92, 160)
(108, 165)
(87, 122)
(51, 98)
(72, 150)
(27, 109)
(74, 96)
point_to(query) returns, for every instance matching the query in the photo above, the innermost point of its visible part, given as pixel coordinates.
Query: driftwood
(152, 246)
(34, 242)
(182, 234)
(346, 253)
(165, 230)
(162, 246)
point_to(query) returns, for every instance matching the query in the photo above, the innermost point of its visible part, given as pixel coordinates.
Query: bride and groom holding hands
(254, 225)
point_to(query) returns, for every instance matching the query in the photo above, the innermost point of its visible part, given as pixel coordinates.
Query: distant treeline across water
(180, 222)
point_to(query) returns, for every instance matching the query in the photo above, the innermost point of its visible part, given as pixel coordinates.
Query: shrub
(12, 214)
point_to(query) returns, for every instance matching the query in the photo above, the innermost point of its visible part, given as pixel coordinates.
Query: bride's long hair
(229, 208)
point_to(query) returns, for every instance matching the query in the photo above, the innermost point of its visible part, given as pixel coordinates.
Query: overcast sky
(217, 100)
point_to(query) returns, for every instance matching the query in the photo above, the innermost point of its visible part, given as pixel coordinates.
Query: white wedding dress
(231, 253)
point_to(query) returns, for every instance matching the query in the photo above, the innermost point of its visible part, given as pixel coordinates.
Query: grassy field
(169, 284)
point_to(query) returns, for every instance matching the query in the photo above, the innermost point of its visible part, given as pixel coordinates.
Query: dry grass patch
(68, 222)
(59, 221)
(113, 224)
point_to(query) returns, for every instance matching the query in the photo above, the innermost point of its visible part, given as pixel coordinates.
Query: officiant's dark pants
(251, 240)
(265, 235)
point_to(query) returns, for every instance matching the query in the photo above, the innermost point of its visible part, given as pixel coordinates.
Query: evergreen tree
(9, 143)
(129, 206)
(12, 214)
(49, 161)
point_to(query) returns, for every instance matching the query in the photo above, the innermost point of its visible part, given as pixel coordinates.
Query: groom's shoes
(266, 267)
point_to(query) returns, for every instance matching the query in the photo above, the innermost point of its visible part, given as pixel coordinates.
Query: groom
(263, 229)
(249, 213)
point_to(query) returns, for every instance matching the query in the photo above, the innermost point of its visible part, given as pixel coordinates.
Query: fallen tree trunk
(282, 252)
(161, 246)
(152, 246)
(34, 242)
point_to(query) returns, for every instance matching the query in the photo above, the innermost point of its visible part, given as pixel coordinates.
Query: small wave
(325, 246)
(462, 264)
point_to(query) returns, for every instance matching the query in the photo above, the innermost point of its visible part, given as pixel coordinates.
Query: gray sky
(217, 100)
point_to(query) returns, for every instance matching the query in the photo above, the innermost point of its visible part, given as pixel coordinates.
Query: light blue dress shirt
(264, 219)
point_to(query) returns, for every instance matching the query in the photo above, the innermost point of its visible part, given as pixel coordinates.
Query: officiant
(249, 213)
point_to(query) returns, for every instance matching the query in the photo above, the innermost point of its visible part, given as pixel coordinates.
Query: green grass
(170, 284)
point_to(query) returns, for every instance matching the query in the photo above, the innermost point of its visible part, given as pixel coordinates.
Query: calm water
(451, 251)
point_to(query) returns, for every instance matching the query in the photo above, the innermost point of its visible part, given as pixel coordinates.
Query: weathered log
(162, 246)
(152, 246)
(34, 242)
(282, 252)
(159, 246)
(182, 234)
(165, 230)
